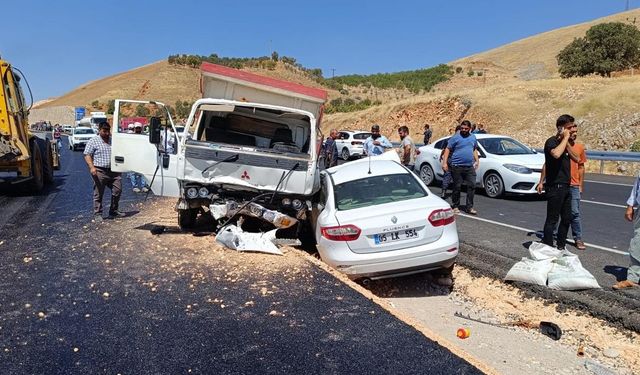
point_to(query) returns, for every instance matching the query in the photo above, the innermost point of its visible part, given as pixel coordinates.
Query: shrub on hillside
(458, 70)
(414, 80)
(470, 73)
(635, 147)
(349, 105)
(606, 48)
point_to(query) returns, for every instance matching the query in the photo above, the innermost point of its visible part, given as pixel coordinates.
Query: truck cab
(253, 151)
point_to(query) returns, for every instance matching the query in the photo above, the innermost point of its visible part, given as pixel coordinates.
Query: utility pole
(333, 72)
(627, 7)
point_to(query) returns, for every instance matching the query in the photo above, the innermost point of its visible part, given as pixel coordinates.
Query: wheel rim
(493, 185)
(426, 174)
(345, 154)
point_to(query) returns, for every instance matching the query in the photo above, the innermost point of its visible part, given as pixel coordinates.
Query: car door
(132, 152)
(434, 156)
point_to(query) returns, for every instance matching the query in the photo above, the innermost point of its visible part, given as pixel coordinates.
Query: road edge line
(386, 305)
(603, 248)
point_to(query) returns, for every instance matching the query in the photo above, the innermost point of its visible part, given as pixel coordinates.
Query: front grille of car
(523, 186)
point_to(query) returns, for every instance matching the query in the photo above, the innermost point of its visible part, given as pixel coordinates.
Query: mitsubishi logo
(245, 176)
(394, 219)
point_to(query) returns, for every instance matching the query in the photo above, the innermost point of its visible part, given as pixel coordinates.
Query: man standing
(462, 148)
(557, 155)
(575, 188)
(633, 272)
(97, 155)
(376, 143)
(427, 134)
(331, 149)
(407, 148)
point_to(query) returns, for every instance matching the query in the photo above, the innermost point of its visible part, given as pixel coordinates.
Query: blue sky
(60, 45)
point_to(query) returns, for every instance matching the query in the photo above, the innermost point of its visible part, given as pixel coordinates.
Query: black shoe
(117, 213)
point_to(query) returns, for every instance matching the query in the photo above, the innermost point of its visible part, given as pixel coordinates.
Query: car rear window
(377, 190)
(361, 136)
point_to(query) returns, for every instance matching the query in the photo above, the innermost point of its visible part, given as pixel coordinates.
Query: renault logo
(394, 219)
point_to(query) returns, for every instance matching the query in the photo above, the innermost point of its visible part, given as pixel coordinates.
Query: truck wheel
(187, 218)
(37, 182)
(47, 160)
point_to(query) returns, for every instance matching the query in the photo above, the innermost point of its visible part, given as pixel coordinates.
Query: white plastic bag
(569, 274)
(541, 251)
(237, 239)
(530, 271)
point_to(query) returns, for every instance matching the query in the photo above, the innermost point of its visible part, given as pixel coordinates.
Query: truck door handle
(119, 159)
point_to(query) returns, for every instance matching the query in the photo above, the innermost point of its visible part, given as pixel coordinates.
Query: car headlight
(192, 193)
(203, 192)
(518, 168)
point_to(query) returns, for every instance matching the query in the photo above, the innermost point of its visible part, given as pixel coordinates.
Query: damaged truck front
(251, 151)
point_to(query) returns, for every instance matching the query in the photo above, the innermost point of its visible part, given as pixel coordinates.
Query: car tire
(345, 155)
(426, 174)
(187, 218)
(493, 185)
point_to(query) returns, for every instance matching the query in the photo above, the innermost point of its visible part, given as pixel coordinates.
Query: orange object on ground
(463, 333)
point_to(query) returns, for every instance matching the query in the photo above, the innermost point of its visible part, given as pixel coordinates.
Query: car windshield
(377, 190)
(504, 146)
(84, 131)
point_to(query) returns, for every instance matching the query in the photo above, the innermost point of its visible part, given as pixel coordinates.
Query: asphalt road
(50, 259)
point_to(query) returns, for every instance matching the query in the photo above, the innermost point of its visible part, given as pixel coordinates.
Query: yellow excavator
(26, 158)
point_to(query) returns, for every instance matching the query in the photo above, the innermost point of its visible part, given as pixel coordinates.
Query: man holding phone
(558, 155)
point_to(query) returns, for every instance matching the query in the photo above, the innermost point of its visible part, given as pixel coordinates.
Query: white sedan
(350, 143)
(376, 219)
(506, 165)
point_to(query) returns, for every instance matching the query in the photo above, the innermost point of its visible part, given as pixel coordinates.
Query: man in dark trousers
(463, 150)
(331, 149)
(97, 155)
(557, 155)
(427, 134)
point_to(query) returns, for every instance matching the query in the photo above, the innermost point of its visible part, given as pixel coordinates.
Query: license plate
(401, 235)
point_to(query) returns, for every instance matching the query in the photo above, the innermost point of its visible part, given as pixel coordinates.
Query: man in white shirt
(633, 272)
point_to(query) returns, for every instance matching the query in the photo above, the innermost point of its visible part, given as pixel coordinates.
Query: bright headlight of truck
(518, 168)
(192, 193)
(203, 192)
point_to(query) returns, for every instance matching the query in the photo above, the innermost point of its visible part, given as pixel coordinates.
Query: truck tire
(187, 218)
(46, 152)
(37, 182)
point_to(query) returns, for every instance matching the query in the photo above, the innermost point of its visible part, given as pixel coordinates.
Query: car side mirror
(154, 130)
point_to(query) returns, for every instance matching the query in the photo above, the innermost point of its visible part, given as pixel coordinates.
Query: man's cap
(130, 126)
(375, 127)
(137, 124)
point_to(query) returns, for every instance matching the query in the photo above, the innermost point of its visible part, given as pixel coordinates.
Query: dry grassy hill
(535, 57)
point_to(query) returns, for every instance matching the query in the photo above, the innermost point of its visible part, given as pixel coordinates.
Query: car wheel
(493, 185)
(345, 154)
(426, 174)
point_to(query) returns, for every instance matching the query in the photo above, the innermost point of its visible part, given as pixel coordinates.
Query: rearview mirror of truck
(154, 130)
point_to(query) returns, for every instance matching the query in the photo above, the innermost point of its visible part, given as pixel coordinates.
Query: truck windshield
(98, 120)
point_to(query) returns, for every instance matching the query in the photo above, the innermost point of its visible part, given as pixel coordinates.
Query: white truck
(93, 120)
(253, 151)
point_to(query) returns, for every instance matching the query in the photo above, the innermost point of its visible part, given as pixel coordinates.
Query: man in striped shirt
(97, 154)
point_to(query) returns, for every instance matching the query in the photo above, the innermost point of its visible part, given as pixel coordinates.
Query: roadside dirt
(417, 300)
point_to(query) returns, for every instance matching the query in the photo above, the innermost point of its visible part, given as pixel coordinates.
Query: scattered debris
(158, 229)
(231, 209)
(597, 368)
(611, 353)
(463, 333)
(551, 329)
(237, 239)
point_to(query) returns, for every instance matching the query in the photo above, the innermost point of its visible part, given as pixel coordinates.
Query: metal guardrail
(609, 156)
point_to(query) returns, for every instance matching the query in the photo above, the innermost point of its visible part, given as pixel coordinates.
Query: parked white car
(506, 165)
(350, 143)
(79, 137)
(379, 220)
(67, 129)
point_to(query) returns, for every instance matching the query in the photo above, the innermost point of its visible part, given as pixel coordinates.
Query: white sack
(235, 238)
(569, 274)
(541, 251)
(530, 271)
